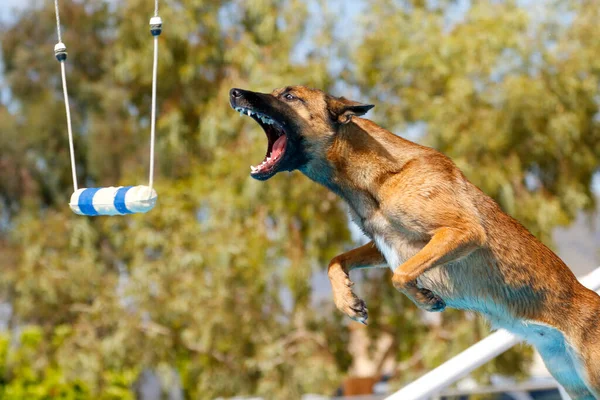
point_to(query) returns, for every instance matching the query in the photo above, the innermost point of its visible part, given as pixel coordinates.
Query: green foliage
(29, 373)
(26, 375)
(216, 281)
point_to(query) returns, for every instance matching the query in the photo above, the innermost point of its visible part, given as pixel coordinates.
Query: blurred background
(221, 290)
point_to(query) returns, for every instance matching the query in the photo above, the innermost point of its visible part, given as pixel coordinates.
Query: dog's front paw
(425, 299)
(348, 303)
(429, 301)
(357, 310)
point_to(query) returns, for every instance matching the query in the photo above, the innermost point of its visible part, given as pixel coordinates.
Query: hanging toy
(111, 200)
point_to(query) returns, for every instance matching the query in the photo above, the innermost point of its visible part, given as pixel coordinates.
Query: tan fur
(449, 243)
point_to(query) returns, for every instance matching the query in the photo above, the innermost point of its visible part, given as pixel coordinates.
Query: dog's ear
(342, 109)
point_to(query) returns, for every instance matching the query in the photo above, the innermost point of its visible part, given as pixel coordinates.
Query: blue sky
(8, 6)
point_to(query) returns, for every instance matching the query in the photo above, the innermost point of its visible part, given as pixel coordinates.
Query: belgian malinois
(447, 243)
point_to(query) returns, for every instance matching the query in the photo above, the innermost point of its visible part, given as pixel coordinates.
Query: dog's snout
(235, 93)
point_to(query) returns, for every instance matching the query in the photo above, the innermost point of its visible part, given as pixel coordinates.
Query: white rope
(153, 117)
(155, 29)
(70, 130)
(66, 96)
(57, 20)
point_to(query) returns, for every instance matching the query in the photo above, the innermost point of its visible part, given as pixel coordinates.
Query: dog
(447, 243)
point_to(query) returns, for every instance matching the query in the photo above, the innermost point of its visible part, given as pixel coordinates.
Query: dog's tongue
(273, 157)
(278, 147)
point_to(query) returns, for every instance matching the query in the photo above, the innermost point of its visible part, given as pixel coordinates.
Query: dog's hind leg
(588, 366)
(585, 343)
(558, 358)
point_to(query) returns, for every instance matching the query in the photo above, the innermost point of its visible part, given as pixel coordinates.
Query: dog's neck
(358, 158)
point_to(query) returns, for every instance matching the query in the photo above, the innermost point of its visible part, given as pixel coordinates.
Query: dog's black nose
(235, 93)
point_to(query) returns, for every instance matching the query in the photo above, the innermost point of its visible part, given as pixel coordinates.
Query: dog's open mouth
(277, 142)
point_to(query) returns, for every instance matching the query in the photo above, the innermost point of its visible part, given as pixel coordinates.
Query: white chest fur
(392, 257)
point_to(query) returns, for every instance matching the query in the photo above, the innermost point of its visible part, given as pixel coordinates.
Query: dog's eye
(289, 96)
